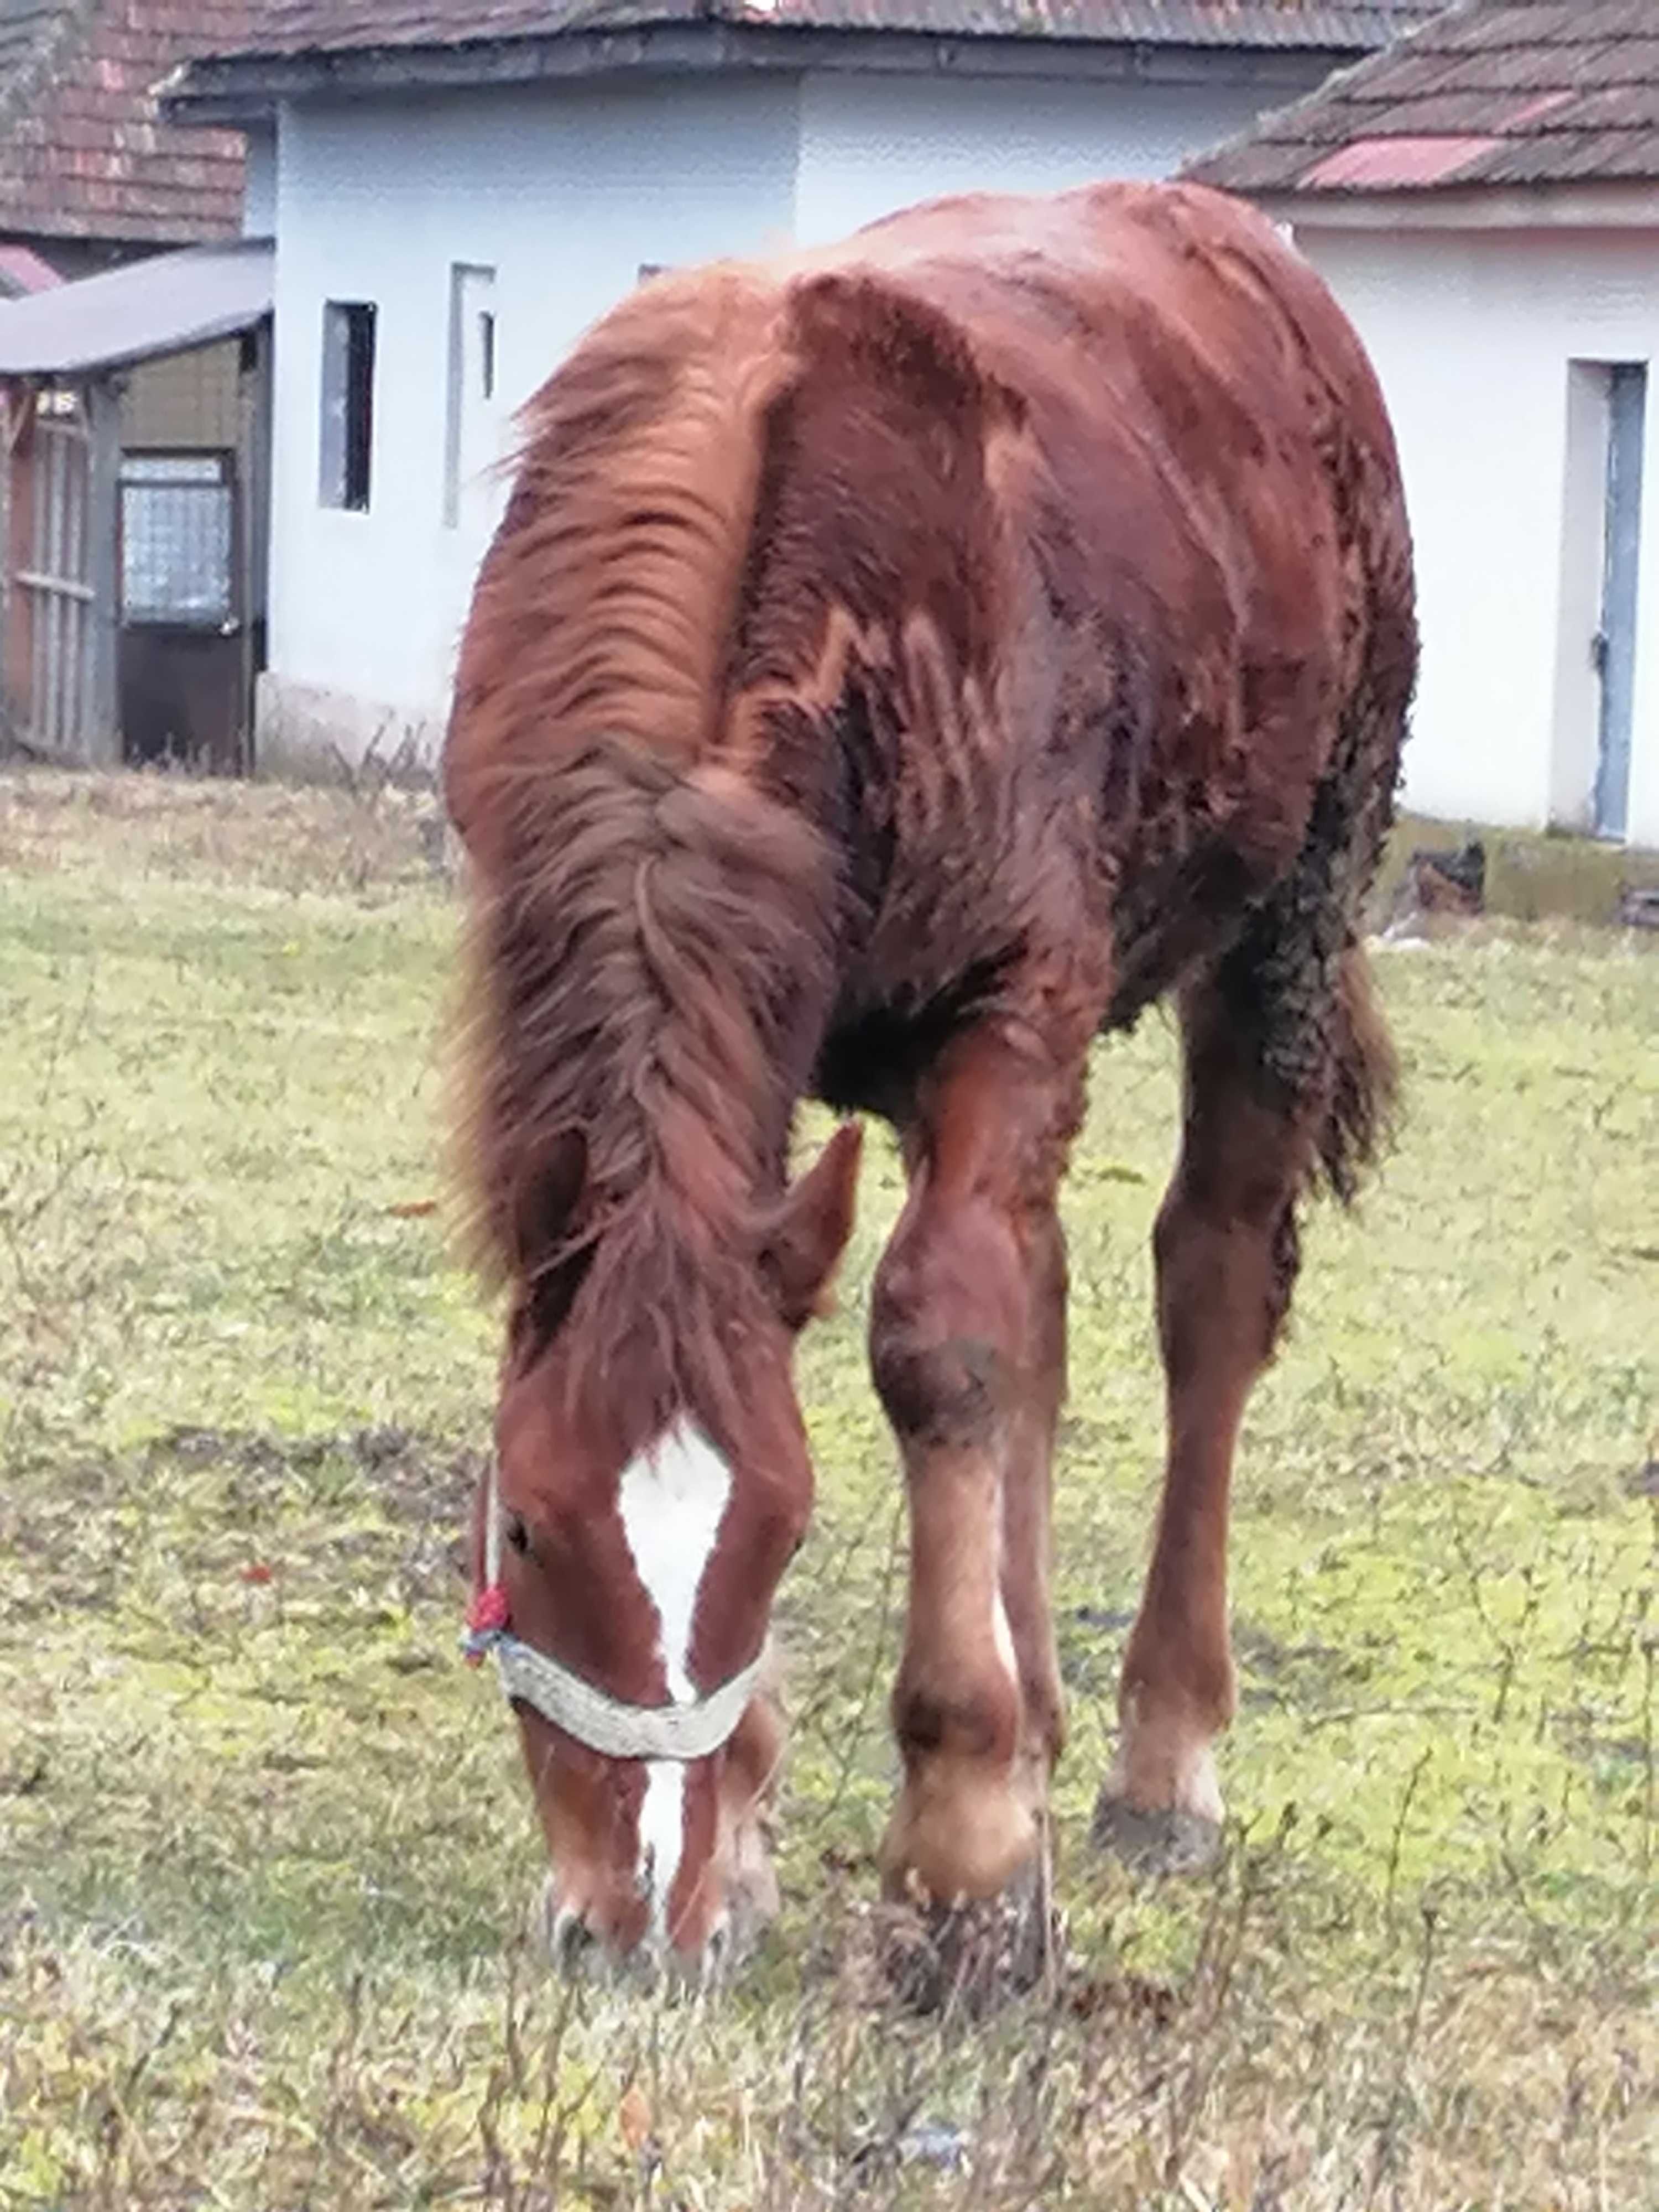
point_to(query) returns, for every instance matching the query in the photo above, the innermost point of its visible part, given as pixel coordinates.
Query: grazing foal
(895, 665)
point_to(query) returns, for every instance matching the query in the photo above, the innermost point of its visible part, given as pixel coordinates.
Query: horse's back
(1136, 455)
(1193, 388)
(1125, 285)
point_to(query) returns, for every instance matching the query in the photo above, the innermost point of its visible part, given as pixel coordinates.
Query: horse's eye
(516, 1534)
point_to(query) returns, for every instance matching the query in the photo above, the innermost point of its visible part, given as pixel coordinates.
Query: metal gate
(55, 580)
(58, 635)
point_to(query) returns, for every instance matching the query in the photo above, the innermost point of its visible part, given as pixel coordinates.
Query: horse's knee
(935, 1388)
(946, 1327)
(970, 1713)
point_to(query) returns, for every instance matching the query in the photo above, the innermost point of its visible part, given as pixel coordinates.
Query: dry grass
(265, 1855)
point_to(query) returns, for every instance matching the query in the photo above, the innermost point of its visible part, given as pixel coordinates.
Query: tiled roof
(1494, 91)
(83, 153)
(324, 26)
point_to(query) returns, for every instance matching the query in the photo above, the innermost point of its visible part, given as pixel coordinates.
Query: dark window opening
(347, 427)
(487, 353)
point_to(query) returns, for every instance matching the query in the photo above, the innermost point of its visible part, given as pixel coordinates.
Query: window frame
(474, 345)
(201, 470)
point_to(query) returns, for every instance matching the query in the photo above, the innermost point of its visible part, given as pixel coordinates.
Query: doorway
(181, 650)
(1596, 650)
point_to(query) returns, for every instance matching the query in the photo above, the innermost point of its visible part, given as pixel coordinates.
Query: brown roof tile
(285, 27)
(83, 152)
(1143, 23)
(1493, 91)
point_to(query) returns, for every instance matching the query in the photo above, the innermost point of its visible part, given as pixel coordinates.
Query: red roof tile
(23, 271)
(1397, 161)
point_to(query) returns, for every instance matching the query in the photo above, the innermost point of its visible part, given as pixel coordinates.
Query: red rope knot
(486, 1617)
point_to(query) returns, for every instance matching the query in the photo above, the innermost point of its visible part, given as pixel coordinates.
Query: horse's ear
(808, 1235)
(548, 1185)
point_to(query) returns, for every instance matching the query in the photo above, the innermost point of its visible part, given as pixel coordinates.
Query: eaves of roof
(307, 49)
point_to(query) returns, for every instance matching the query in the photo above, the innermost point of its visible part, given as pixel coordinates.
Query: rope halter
(682, 1730)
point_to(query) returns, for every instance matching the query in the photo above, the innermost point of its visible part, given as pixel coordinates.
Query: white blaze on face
(672, 1499)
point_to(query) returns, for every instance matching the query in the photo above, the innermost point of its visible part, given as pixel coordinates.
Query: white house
(456, 191)
(1484, 199)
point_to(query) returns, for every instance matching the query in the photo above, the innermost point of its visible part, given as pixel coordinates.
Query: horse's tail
(1365, 1072)
(1299, 972)
(1365, 1080)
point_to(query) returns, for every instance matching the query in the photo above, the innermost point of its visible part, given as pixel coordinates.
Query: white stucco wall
(1473, 335)
(563, 193)
(871, 144)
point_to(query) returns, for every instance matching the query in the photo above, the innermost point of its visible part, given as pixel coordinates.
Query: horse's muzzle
(577, 1950)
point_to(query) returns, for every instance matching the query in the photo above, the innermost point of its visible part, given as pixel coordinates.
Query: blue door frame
(1615, 643)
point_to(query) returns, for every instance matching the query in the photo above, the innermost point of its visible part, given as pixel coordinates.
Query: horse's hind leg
(967, 1346)
(1286, 1071)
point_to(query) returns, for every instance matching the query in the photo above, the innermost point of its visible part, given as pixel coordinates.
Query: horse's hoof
(976, 1954)
(1160, 1841)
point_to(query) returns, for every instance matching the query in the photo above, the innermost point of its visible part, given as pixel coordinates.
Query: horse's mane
(607, 602)
(650, 940)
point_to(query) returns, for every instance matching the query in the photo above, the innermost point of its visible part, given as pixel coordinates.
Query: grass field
(266, 1861)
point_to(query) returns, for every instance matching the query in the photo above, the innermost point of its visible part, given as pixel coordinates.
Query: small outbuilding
(1484, 199)
(134, 503)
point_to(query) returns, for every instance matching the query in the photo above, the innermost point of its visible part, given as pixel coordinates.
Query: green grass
(265, 1854)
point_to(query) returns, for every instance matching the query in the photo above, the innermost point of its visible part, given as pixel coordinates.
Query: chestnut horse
(895, 665)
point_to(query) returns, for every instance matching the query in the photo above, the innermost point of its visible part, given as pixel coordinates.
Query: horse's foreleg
(967, 1346)
(1225, 1248)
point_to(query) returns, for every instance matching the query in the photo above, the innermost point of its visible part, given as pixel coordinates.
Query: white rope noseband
(604, 1724)
(682, 1730)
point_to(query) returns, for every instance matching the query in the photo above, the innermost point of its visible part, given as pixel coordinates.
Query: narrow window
(487, 353)
(469, 412)
(347, 426)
